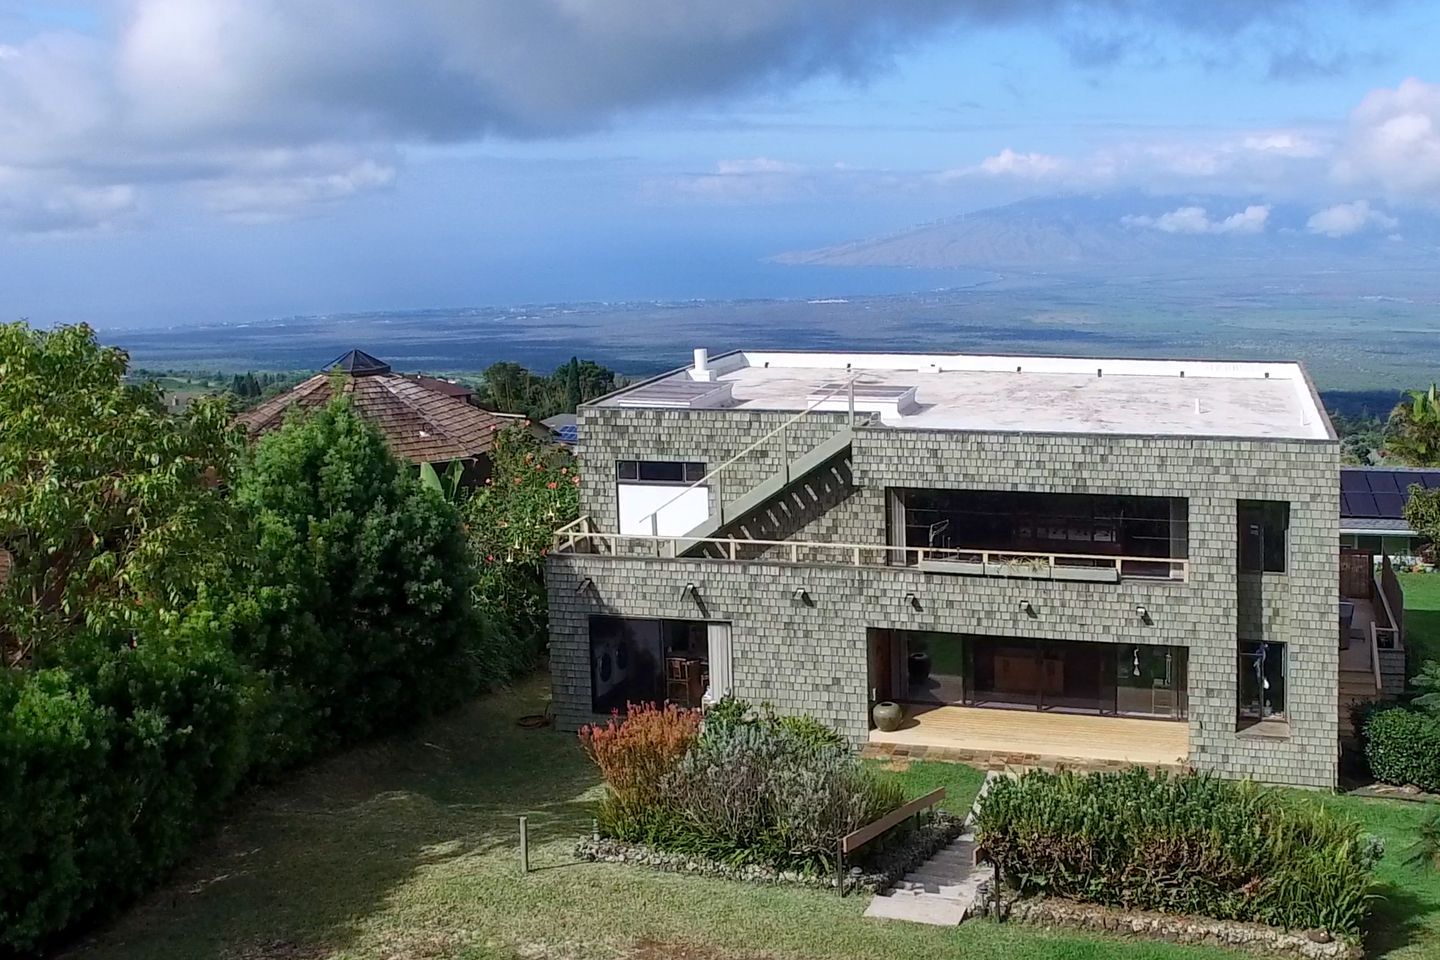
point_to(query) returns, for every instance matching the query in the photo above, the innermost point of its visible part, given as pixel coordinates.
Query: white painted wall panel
(638, 500)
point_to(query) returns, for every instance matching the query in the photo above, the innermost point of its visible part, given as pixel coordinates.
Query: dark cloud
(277, 101)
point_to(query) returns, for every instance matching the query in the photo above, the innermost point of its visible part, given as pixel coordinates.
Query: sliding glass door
(1075, 677)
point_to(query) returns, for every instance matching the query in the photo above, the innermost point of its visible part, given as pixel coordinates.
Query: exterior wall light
(801, 598)
(1142, 612)
(586, 585)
(912, 600)
(1027, 608)
(689, 591)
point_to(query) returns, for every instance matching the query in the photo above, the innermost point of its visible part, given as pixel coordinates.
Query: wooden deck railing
(582, 537)
(851, 842)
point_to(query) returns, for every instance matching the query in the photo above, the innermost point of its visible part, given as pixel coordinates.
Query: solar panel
(1356, 504)
(1353, 480)
(568, 433)
(1379, 492)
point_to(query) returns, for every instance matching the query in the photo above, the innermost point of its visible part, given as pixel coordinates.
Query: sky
(189, 161)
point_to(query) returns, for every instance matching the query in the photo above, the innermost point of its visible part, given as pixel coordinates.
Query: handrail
(858, 838)
(856, 553)
(654, 515)
(1375, 654)
(1394, 623)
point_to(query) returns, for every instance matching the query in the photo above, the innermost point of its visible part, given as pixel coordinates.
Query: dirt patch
(897, 764)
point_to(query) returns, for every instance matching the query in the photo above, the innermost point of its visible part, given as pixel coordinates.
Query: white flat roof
(1015, 394)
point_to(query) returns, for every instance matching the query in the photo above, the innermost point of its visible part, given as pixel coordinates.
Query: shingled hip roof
(419, 423)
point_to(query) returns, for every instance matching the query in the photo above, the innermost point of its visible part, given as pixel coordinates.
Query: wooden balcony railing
(582, 537)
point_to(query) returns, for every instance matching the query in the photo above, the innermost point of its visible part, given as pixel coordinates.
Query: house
(425, 420)
(1040, 559)
(1372, 509)
(563, 429)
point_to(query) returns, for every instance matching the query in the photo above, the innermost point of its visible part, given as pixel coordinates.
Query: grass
(408, 849)
(1422, 617)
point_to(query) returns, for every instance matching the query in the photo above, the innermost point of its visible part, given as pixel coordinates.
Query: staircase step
(936, 911)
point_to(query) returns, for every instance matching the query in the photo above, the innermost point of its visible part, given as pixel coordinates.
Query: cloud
(1343, 219)
(1195, 220)
(1240, 162)
(1025, 166)
(1393, 142)
(198, 92)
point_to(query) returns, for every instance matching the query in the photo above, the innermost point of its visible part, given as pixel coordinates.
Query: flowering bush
(532, 490)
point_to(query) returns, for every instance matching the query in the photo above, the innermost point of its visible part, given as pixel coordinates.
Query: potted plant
(888, 715)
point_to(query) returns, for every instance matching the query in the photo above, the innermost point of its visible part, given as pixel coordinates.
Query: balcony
(581, 537)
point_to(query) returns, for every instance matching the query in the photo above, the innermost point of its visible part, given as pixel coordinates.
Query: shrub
(752, 789)
(357, 602)
(1403, 747)
(635, 753)
(1189, 844)
(532, 491)
(108, 767)
(731, 712)
(758, 793)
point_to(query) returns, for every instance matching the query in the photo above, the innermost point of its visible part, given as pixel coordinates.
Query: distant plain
(1355, 331)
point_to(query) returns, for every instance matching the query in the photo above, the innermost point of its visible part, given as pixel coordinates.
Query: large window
(1111, 679)
(647, 661)
(1051, 523)
(658, 471)
(1264, 531)
(1262, 680)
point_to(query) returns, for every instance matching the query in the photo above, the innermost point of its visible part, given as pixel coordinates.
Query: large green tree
(358, 590)
(111, 509)
(1412, 433)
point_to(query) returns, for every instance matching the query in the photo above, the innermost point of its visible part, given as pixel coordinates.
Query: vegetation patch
(740, 788)
(1188, 844)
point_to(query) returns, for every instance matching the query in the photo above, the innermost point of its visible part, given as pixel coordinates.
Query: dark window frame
(1257, 659)
(685, 472)
(1262, 536)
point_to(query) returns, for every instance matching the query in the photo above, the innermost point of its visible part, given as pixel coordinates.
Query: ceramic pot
(919, 666)
(888, 716)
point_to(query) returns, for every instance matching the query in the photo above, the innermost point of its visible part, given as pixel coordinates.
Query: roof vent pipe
(701, 370)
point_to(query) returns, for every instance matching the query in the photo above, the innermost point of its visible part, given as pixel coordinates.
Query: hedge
(108, 766)
(1189, 844)
(1403, 748)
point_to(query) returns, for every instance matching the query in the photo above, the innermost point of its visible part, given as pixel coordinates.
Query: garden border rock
(1254, 938)
(893, 863)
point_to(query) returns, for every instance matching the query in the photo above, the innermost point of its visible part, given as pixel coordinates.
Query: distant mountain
(1113, 230)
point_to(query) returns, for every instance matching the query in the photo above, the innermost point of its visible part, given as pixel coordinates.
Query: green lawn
(407, 850)
(1422, 617)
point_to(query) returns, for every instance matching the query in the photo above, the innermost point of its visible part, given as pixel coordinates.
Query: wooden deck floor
(1033, 733)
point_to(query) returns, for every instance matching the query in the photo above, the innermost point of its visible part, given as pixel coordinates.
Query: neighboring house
(563, 429)
(423, 419)
(1372, 509)
(1105, 561)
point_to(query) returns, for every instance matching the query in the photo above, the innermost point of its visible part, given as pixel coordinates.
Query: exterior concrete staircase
(766, 490)
(943, 890)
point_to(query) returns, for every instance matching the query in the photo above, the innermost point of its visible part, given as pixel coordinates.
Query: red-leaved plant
(635, 752)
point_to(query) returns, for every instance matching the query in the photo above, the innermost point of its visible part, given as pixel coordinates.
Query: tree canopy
(1412, 434)
(510, 388)
(112, 508)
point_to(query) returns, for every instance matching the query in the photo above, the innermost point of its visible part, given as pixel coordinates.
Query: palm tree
(1412, 434)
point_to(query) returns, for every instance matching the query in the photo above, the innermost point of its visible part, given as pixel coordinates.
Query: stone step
(922, 908)
(951, 890)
